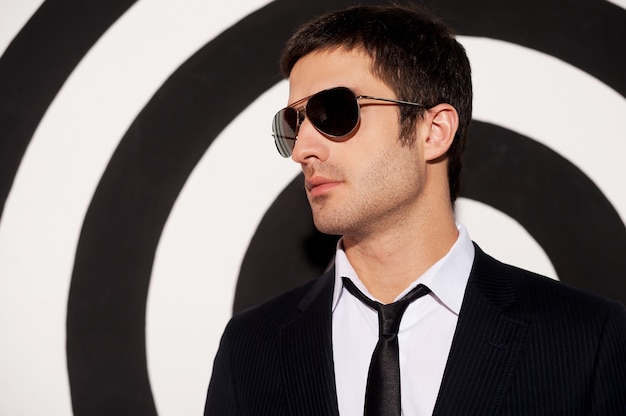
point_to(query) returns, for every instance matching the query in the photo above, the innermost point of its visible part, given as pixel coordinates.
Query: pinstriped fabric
(306, 350)
(484, 352)
(524, 345)
(277, 359)
(607, 375)
(549, 350)
(570, 333)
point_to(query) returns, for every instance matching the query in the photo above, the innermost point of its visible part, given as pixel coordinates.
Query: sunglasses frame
(283, 144)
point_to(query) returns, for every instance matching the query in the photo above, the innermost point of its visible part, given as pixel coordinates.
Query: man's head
(411, 51)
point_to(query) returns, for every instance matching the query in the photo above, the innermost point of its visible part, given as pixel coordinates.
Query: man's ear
(443, 123)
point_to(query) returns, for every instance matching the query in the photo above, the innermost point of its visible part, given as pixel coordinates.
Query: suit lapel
(482, 357)
(485, 345)
(306, 352)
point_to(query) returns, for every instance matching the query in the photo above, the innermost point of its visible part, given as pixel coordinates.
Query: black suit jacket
(524, 345)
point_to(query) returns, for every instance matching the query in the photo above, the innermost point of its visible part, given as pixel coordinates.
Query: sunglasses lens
(334, 112)
(284, 130)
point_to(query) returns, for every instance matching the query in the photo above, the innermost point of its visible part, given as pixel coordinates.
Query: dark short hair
(412, 51)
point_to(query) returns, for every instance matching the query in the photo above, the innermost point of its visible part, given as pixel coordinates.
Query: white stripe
(620, 3)
(55, 183)
(13, 16)
(558, 105)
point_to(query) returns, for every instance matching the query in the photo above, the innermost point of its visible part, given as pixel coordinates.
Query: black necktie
(382, 395)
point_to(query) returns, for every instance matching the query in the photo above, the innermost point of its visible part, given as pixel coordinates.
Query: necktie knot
(389, 317)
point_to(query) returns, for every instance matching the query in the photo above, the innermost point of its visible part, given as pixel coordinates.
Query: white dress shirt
(425, 335)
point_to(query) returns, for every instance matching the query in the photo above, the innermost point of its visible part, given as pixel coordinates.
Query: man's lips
(318, 185)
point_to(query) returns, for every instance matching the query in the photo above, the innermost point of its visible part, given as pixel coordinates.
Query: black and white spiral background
(142, 196)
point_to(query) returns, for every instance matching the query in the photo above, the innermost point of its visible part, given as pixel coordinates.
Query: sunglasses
(335, 113)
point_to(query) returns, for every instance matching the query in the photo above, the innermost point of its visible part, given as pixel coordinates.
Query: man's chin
(328, 227)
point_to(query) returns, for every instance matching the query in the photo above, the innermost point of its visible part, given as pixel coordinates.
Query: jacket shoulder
(537, 294)
(280, 310)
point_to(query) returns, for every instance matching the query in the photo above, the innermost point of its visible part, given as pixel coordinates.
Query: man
(380, 103)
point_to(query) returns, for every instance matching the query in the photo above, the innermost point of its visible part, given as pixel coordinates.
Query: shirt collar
(446, 279)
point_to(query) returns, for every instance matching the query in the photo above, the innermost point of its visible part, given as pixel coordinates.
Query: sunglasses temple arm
(390, 100)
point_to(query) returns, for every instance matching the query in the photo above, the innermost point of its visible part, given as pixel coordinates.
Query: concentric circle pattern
(142, 200)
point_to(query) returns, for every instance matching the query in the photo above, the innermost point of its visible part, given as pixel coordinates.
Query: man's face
(369, 183)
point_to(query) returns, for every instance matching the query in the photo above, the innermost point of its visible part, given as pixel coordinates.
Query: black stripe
(554, 201)
(588, 34)
(35, 66)
(286, 250)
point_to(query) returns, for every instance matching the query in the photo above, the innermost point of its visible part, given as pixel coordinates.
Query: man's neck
(388, 263)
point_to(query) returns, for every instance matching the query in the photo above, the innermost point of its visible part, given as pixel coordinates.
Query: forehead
(333, 68)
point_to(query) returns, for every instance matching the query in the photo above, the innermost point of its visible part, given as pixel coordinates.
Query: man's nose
(310, 144)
